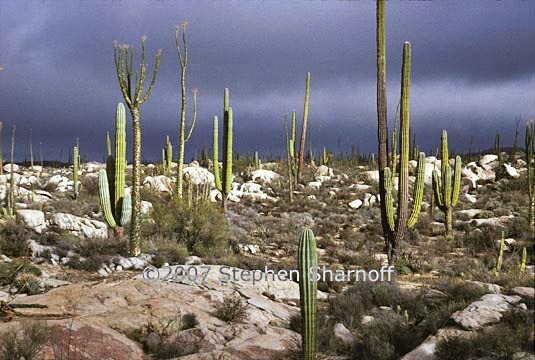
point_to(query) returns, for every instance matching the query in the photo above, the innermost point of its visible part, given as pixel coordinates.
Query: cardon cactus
(308, 288)
(75, 169)
(301, 160)
(223, 184)
(116, 206)
(168, 155)
(446, 193)
(397, 227)
(530, 152)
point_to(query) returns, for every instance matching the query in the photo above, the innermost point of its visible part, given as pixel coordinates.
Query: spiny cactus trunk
(135, 227)
(308, 288)
(449, 222)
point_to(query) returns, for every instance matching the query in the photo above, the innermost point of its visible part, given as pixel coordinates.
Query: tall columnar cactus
(497, 147)
(133, 96)
(167, 155)
(308, 289)
(224, 184)
(499, 260)
(394, 154)
(31, 150)
(75, 169)
(446, 193)
(530, 151)
(116, 206)
(256, 161)
(301, 163)
(289, 163)
(182, 137)
(524, 259)
(1, 152)
(9, 210)
(398, 227)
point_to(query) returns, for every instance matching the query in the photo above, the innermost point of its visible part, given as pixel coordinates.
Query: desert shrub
(25, 344)
(513, 335)
(10, 272)
(89, 186)
(460, 292)
(202, 228)
(91, 264)
(100, 247)
(188, 321)
(232, 309)
(14, 239)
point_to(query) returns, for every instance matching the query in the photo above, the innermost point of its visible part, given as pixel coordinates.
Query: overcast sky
(473, 69)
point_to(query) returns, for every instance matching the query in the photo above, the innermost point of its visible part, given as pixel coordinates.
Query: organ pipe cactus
(446, 192)
(530, 151)
(76, 168)
(398, 227)
(308, 288)
(116, 206)
(134, 97)
(223, 184)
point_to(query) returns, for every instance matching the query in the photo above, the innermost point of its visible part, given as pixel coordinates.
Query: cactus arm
(108, 143)
(445, 154)
(418, 192)
(389, 201)
(437, 190)
(456, 181)
(227, 182)
(104, 195)
(524, 258)
(215, 155)
(126, 211)
(194, 116)
(307, 292)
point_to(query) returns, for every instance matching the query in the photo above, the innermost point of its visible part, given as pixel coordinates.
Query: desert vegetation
(146, 260)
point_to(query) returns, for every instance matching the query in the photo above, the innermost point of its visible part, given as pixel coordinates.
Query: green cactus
(31, 150)
(108, 144)
(289, 162)
(308, 288)
(9, 209)
(1, 150)
(446, 193)
(168, 153)
(397, 227)
(524, 259)
(116, 206)
(499, 261)
(224, 184)
(530, 152)
(75, 169)
(256, 161)
(497, 147)
(394, 155)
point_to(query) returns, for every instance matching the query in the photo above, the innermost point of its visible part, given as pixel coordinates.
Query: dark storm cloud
(473, 69)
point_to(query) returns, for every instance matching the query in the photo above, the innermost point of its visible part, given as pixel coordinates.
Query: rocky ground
(69, 289)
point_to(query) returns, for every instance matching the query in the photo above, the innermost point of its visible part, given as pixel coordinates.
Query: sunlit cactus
(447, 190)
(530, 152)
(301, 160)
(398, 226)
(76, 168)
(223, 184)
(308, 289)
(116, 206)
